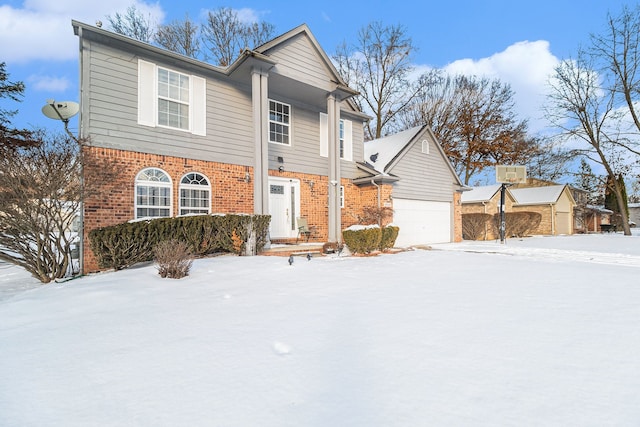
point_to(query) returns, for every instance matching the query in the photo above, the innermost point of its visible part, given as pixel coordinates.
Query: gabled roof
(304, 29)
(480, 194)
(380, 152)
(384, 153)
(538, 195)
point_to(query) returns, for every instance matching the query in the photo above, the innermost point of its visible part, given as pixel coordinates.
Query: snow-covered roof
(380, 152)
(600, 209)
(480, 194)
(537, 195)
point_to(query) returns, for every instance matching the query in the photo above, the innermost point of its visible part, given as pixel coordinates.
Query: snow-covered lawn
(537, 332)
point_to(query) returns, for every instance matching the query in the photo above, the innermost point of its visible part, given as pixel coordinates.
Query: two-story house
(276, 133)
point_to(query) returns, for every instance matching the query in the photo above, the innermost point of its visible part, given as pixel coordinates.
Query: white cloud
(48, 83)
(526, 67)
(41, 29)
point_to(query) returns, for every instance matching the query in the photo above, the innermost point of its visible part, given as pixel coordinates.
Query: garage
(422, 222)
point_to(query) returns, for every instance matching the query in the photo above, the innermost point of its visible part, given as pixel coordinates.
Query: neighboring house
(425, 190)
(486, 199)
(634, 214)
(554, 202)
(595, 217)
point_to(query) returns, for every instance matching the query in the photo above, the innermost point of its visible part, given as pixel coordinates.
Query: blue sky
(518, 42)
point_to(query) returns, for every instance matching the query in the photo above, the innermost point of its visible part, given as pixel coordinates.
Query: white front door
(284, 207)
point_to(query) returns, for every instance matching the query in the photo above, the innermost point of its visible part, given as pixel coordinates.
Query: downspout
(81, 245)
(379, 201)
(553, 220)
(486, 226)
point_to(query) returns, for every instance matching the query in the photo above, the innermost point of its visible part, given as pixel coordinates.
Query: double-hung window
(195, 194)
(279, 123)
(171, 99)
(153, 194)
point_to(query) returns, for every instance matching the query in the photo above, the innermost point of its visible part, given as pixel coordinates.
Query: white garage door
(422, 222)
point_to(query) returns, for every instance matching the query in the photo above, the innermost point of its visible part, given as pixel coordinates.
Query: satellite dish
(60, 110)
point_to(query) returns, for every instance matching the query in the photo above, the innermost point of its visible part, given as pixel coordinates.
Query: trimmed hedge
(123, 245)
(389, 236)
(474, 226)
(368, 238)
(518, 224)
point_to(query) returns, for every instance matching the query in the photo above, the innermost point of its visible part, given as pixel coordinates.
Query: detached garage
(425, 188)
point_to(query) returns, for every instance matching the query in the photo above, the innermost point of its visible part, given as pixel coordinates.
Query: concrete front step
(287, 250)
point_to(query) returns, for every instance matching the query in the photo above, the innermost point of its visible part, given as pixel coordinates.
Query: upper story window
(171, 99)
(153, 194)
(279, 122)
(195, 194)
(346, 138)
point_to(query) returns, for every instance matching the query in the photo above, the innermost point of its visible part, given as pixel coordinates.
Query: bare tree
(180, 37)
(225, 35)
(618, 52)
(132, 24)
(550, 161)
(41, 193)
(584, 112)
(474, 120)
(10, 137)
(378, 66)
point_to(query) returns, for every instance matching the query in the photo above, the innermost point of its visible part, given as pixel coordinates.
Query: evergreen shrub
(389, 236)
(120, 246)
(362, 239)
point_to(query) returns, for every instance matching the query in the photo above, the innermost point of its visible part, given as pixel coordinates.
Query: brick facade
(231, 192)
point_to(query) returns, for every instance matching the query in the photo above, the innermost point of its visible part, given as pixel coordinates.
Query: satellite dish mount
(62, 111)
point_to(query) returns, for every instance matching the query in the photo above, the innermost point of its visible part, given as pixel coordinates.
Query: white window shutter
(146, 93)
(198, 106)
(324, 135)
(348, 140)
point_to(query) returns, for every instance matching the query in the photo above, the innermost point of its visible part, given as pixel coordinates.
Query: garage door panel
(422, 222)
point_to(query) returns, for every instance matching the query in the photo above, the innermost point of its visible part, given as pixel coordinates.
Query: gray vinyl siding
(113, 113)
(423, 176)
(298, 59)
(110, 110)
(303, 155)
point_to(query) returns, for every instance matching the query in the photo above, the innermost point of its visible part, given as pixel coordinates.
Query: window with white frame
(153, 194)
(279, 122)
(342, 196)
(425, 146)
(171, 99)
(346, 138)
(195, 194)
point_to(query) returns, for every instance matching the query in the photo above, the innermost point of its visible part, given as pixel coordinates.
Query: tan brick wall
(457, 217)
(546, 226)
